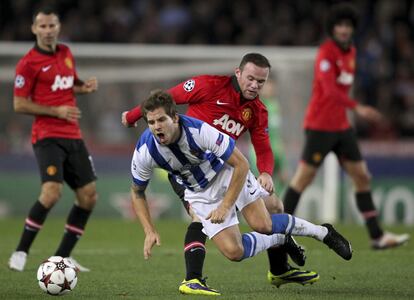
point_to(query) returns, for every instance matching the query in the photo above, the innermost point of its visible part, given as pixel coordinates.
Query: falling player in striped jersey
(232, 105)
(217, 180)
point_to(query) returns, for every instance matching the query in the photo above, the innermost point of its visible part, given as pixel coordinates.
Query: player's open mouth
(161, 137)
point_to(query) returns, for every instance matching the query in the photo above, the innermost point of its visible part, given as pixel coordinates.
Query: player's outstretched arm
(141, 209)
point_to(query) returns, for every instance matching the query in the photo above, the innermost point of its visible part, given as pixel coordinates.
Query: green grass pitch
(113, 250)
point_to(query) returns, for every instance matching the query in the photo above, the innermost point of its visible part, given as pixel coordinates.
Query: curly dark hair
(341, 12)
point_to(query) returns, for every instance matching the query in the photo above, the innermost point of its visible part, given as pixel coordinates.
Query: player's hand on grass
(266, 181)
(68, 113)
(218, 215)
(151, 239)
(125, 122)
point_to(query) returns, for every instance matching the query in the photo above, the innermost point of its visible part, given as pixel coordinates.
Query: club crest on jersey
(324, 65)
(68, 63)
(189, 85)
(247, 114)
(19, 81)
(62, 83)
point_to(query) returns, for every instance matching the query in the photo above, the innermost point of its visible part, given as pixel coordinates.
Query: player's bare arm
(369, 113)
(26, 106)
(241, 167)
(89, 86)
(141, 209)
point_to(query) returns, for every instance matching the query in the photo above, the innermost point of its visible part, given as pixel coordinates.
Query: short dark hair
(341, 12)
(159, 98)
(255, 58)
(47, 10)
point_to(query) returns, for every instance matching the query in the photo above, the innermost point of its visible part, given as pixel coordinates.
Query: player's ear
(33, 28)
(176, 118)
(237, 72)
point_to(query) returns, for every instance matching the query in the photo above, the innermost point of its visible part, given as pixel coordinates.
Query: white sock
(302, 227)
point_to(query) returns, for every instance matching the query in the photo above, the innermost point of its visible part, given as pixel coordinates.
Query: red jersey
(333, 76)
(217, 100)
(48, 78)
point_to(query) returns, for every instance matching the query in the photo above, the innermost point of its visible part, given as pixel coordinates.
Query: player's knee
(50, 193)
(264, 226)
(234, 253)
(87, 196)
(362, 180)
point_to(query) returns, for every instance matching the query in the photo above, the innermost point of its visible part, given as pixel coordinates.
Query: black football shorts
(319, 143)
(68, 160)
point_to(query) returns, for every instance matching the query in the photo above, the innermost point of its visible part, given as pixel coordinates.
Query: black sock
(369, 213)
(278, 260)
(291, 200)
(194, 250)
(74, 227)
(32, 225)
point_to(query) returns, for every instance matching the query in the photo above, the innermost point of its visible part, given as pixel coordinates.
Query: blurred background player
(328, 129)
(217, 181)
(231, 104)
(45, 84)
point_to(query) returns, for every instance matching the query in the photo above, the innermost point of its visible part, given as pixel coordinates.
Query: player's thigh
(229, 242)
(273, 204)
(50, 158)
(257, 216)
(78, 167)
(304, 175)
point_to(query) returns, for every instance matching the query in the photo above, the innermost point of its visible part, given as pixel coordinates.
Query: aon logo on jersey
(345, 78)
(62, 83)
(229, 125)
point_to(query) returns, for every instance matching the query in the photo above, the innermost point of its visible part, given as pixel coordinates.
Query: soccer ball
(57, 275)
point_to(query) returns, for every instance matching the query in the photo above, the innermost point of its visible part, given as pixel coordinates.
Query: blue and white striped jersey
(194, 160)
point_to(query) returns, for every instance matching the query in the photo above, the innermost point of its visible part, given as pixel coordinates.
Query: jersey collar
(45, 52)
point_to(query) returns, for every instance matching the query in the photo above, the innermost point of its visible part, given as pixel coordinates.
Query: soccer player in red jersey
(45, 85)
(328, 129)
(232, 105)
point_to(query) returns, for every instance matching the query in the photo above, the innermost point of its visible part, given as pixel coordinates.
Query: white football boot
(17, 261)
(79, 266)
(390, 240)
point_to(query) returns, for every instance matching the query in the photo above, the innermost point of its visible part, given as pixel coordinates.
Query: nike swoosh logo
(44, 69)
(222, 103)
(197, 248)
(253, 192)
